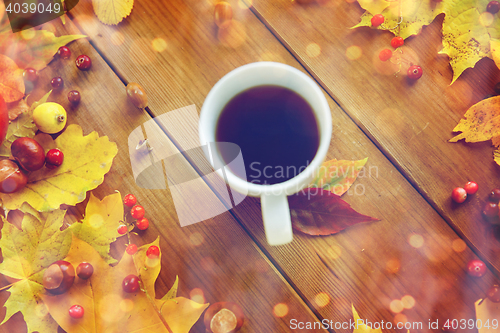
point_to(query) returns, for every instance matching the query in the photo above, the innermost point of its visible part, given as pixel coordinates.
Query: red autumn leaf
(11, 80)
(319, 212)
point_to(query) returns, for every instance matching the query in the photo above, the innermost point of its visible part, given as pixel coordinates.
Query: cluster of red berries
(82, 62)
(414, 72)
(137, 212)
(459, 194)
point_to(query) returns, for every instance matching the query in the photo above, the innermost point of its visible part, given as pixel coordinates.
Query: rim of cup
(322, 114)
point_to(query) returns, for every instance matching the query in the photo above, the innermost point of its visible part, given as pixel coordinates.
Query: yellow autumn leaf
(26, 254)
(112, 12)
(360, 326)
(86, 160)
(99, 228)
(495, 51)
(488, 313)
(337, 176)
(467, 31)
(374, 6)
(107, 307)
(481, 122)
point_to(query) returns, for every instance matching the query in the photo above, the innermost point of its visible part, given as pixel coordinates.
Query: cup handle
(276, 216)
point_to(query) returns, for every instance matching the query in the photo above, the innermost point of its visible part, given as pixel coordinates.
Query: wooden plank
(369, 265)
(215, 258)
(411, 122)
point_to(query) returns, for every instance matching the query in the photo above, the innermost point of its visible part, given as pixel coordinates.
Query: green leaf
(22, 126)
(337, 176)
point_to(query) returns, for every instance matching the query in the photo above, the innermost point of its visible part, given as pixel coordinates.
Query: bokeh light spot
(396, 306)
(232, 36)
(159, 44)
(400, 318)
(108, 310)
(486, 19)
(458, 245)
(280, 310)
(313, 50)
(353, 52)
(416, 240)
(408, 301)
(28, 34)
(334, 252)
(392, 266)
(245, 4)
(126, 305)
(197, 295)
(322, 299)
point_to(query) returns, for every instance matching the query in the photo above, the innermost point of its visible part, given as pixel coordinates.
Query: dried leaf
(337, 176)
(112, 12)
(487, 313)
(23, 126)
(316, 212)
(361, 327)
(16, 108)
(172, 293)
(110, 309)
(36, 52)
(11, 80)
(26, 253)
(86, 160)
(99, 227)
(466, 34)
(481, 123)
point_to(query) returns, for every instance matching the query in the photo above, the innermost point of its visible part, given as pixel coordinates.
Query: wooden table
(402, 127)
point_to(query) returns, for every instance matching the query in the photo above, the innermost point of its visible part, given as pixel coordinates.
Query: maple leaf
(36, 52)
(486, 313)
(99, 228)
(316, 212)
(22, 126)
(11, 80)
(467, 31)
(108, 308)
(86, 160)
(337, 176)
(112, 12)
(26, 253)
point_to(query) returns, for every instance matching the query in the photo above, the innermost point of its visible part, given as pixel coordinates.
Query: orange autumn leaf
(11, 80)
(17, 108)
(107, 308)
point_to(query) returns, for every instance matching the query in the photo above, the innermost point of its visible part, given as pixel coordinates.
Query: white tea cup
(274, 202)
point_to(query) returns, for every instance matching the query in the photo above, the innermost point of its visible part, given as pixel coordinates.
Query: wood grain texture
(216, 258)
(411, 122)
(369, 265)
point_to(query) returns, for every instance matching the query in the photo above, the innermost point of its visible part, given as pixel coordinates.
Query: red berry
(137, 212)
(377, 20)
(131, 249)
(57, 83)
(83, 62)
(54, 158)
(122, 230)
(30, 74)
(476, 268)
(493, 7)
(459, 194)
(142, 224)
(494, 195)
(84, 270)
(64, 52)
(76, 311)
(385, 55)
(490, 210)
(397, 42)
(493, 294)
(130, 283)
(129, 200)
(74, 97)
(414, 72)
(471, 187)
(153, 252)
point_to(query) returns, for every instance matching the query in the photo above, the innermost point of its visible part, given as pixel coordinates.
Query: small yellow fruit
(50, 117)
